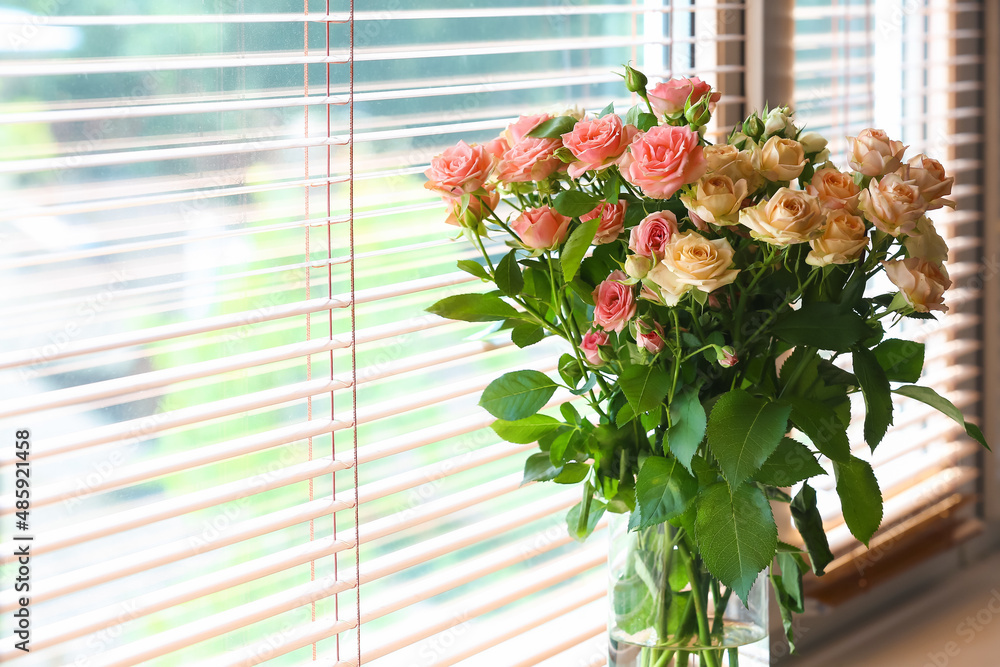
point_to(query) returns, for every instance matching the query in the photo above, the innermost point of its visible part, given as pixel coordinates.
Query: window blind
(914, 70)
(218, 253)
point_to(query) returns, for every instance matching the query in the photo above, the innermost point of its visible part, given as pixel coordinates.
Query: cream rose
(727, 160)
(921, 283)
(780, 159)
(790, 216)
(925, 243)
(693, 262)
(873, 153)
(930, 177)
(835, 189)
(844, 239)
(716, 199)
(892, 204)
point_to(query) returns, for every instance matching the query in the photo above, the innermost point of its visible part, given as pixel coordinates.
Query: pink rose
(659, 162)
(648, 337)
(497, 147)
(459, 169)
(614, 304)
(669, 97)
(612, 221)
(541, 228)
(529, 160)
(592, 341)
(520, 128)
(475, 212)
(651, 236)
(596, 144)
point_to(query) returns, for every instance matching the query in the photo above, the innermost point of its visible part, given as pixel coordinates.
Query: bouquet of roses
(709, 295)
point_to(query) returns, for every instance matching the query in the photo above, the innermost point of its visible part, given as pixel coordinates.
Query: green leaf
(790, 463)
(597, 509)
(574, 203)
(607, 110)
(569, 370)
(473, 267)
(944, 406)
(553, 128)
(902, 360)
(809, 523)
(663, 490)
(823, 426)
(572, 473)
(525, 431)
(508, 275)
(736, 534)
(517, 394)
(645, 121)
(860, 497)
(473, 308)
(645, 387)
(688, 427)
(612, 188)
(821, 324)
(878, 401)
(743, 431)
(576, 247)
(526, 334)
(538, 468)
(632, 115)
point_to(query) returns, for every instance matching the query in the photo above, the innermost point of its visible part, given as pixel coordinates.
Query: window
(197, 236)
(915, 70)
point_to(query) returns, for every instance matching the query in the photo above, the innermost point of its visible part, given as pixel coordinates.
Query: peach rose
(541, 228)
(651, 236)
(780, 159)
(520, 128)
(612, 221)
(649, 337)
(476, 212)
(716, 199)
(659, 162)
(727, 160)
(597, 144)
(921, 283)
(892, 204)
(614, 304)
(693, 262)
(932, 180)
(529, 160)
(669, 97)
(790, 216)
(844, 239)
(591, 341)
(925, 243)
(873, 153)
(459, 169)
(835, 189)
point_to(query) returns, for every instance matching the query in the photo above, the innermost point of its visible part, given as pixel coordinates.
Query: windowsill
(929, 629)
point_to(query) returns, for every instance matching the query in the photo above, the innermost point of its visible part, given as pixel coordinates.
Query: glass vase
(667, 610)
